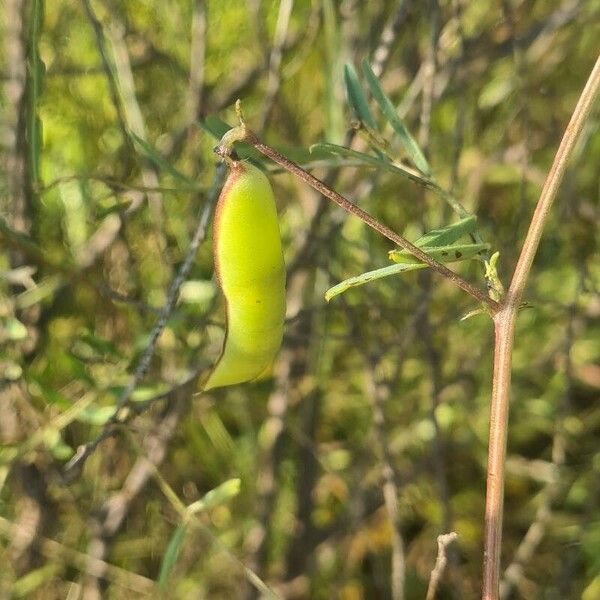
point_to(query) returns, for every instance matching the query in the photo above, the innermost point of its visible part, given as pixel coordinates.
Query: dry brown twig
(440, 563)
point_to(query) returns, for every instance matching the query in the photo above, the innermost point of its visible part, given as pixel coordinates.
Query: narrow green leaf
(389, 111)
(448, 235)
(398, 169)
(330, 163)
(363, 278)
(444, 254)
(438, 243)
(356, 97)
(227, 490)
(373, 161)
(171, 554)
(144, 148)
(215, 126)
(35, 75)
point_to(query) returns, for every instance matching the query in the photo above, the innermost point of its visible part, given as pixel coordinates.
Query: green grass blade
(146, 150)
(222, 493)
(171, 554)
(214, 126)
(35, 76)
(389, 111)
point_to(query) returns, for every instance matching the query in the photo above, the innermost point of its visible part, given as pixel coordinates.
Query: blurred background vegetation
(336, 473)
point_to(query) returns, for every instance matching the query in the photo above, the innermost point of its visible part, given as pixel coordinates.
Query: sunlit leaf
(450, 253)
(438, 243)
(369, 276)
(448, 235)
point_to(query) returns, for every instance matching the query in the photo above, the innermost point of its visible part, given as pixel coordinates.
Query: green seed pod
(251, 274)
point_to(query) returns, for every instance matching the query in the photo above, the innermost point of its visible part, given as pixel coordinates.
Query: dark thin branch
(121, 413)
(250, 138)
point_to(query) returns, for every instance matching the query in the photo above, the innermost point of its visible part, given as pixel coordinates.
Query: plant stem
(250, 138)
(504, 321)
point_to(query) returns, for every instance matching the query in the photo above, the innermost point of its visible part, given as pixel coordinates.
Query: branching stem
(243, 133)
(504, 321)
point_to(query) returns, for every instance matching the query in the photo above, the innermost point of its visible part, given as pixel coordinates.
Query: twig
(244, 134)
(378, 394)
(135, 123)
(423, 325)
(504, 321)
(440, 563)
(84, 451)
